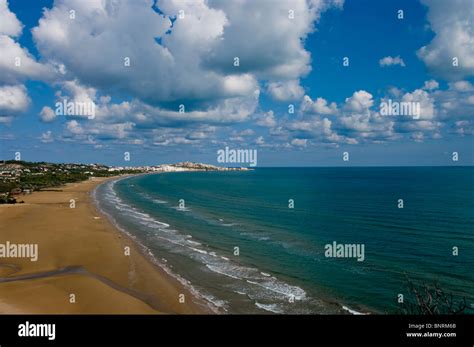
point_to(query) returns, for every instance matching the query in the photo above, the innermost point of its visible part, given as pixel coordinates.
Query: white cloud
(425, 100)
(286, 90)
(47, 114)
(74, 127)
(390, 61)
(16, 63)
(299, 142)
(9, 23)
(360, 101)
(13, 100)
(268, 42)
(431, 85)
(91, 131)
(192, 62)
(464, 127)
(417, 136)
(462, 86)
(266, 119)
(247, 132)
(47, 137)
(358, 119)
(320, 106)
(260, 141)
(314, 127)
(453, 24)
(455, 103)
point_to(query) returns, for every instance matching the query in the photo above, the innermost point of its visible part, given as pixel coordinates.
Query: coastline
(81, 252)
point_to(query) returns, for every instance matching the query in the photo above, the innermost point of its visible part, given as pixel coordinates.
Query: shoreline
(82, 264)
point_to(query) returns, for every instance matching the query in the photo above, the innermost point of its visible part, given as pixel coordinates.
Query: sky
(302, 82)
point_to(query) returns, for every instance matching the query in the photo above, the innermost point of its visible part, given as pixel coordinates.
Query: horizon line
(250, 167)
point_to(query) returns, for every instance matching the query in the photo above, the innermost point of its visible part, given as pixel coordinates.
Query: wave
(215, 305)
(274, 308)
(152, 199)
(181, 209)
(250, 279)
(351, 311)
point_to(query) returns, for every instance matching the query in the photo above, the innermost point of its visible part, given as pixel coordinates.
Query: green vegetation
(21, 177)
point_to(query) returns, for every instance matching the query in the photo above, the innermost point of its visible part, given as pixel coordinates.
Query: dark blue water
(281, 264)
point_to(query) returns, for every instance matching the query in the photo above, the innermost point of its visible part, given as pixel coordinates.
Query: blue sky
(283, 62)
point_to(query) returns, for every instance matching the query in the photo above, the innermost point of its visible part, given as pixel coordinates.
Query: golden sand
(80, 253)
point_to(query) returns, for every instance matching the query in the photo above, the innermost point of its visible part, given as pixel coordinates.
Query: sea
(253, 242)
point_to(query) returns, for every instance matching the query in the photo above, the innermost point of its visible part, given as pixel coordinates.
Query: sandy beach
(80, 253)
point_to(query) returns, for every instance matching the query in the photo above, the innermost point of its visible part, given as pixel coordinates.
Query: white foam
(216, 302)
(220, 271)
(282, 288)
(251, 279)
(181, 209)
(351, 311)
(274, 308)
(199, 250)
(194, 243)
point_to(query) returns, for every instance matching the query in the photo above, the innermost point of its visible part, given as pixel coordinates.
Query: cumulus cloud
(260, 141)
(425, 100)
(286, 91)
(93, 131)
(359, 120)
(16, 63)
(299, 142)
(453, 25)
(360, 101)
(464, 127)
(256, 32)
(47, 114)
(120, 52)
(456, 103)
(320, 106)
(431, 85)
(13, 100)
(314, 127)
(266, 119)
(47, 137)
(390, 61)
(181, 56)
(9, 23)
(462, 86)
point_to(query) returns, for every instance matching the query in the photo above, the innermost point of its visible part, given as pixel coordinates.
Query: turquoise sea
(237, 243)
